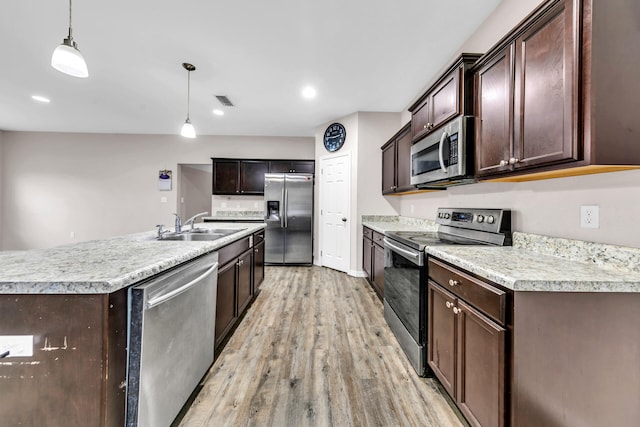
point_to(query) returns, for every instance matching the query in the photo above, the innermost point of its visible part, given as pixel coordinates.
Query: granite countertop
(230, 215)
(103, 266)
(541, 263)
(382, 223)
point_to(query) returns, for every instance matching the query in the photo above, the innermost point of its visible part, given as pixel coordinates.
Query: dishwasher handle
(162, 298)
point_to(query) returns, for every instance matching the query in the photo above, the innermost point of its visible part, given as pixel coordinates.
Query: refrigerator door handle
(286, 208)
(282, 221)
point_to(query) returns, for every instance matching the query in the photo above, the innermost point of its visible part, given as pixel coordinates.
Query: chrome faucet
(178, 223)
(192, 220)
(161, 231)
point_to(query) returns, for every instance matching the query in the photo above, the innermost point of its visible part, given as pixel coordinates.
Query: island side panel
(116, 359)
(61, 384)
(576, 359)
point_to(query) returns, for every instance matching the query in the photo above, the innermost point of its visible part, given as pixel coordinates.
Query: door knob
(344, 219)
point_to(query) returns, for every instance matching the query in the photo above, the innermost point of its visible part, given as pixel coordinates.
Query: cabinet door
(389, 168)
(378, 269)
(303, 166)
(367, 257)
(441, 336)
(258, 265)
(421, 120)
(226, 175)
(544, 92)
(252, 176)
(445, 99)
(403, 161)
(245, 291)
(481, 368)
(279, 166)
(226, 301)
(493, 84)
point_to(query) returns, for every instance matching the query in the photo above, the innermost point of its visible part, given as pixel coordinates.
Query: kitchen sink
(201, 234)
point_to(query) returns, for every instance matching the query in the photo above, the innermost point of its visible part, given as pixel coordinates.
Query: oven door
(441, 155)
(404, 276)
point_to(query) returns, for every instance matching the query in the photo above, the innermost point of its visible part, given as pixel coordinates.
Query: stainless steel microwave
(445, 156)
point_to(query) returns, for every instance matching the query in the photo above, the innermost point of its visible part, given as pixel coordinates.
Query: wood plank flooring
(314, 350)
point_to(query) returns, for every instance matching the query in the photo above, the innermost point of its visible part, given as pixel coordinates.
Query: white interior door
(335, 186)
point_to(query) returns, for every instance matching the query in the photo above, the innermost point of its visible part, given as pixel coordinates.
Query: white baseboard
(357, 273)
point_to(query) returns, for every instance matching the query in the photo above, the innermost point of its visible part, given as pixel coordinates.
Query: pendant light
(188, 131)
(67, 58)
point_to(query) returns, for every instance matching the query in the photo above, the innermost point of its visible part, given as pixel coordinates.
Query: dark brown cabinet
(239, 176)
(553, 100)
(291, 166)
(449, 96)
(373, 259)
(396, 163)
(258, 260)
(235, 288)
(467, 342)
(246, 176)
(78, 366)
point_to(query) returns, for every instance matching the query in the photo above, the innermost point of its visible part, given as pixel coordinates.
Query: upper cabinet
(246, 177)
(292, 166)
(553, 98)
(449, 96)
(396, 163)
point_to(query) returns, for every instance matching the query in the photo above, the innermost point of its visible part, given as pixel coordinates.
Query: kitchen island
(67, 308)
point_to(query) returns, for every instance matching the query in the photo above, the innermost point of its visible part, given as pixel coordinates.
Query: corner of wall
(2, 203)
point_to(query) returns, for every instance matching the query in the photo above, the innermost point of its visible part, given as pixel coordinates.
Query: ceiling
(360, 55)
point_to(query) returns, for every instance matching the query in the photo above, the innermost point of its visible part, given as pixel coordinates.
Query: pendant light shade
(67, 58)
(188, 131)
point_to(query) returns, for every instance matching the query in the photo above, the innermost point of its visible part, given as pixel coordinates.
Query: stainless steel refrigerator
(288, 200)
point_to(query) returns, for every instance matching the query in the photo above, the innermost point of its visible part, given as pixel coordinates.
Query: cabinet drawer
(233, 250)
(258, 237)
(378, 238)
(485, 297)
(367, 233)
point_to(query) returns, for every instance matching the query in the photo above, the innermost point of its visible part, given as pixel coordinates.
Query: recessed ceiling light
(218, 112)
(309, 92)
(41, 99)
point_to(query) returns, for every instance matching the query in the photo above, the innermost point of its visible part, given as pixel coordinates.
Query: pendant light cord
(70, 36)
(188, 91)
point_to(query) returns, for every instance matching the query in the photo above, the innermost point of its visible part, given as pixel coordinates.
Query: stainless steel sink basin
(201, 234)
(220, 231)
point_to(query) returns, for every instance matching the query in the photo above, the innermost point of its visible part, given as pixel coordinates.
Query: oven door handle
(444, 136)
(411, 254)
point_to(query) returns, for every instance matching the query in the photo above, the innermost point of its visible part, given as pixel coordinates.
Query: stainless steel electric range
(405, 272)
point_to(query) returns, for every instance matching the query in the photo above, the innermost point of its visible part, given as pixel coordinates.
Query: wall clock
(334, 137)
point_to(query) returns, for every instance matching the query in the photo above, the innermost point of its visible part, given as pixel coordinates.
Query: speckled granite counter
(381, 223)
(541, 263)
(103, 266)
(236, 216)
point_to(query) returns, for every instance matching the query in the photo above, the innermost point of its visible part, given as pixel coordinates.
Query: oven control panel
(492, 220)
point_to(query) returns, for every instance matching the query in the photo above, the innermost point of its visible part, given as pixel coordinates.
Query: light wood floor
(314, 350)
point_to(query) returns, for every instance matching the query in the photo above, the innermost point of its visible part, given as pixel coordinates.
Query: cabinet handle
(256, 250)
(504, 162)
(513, 161)
(456, 310)
(453, 282)
(449, 304)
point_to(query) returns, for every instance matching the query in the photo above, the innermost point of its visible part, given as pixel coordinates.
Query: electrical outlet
(590, 216)
(412, 208)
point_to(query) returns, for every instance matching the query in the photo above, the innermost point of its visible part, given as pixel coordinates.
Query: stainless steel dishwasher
(171, 340)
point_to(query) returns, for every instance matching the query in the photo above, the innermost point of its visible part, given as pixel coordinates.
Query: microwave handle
(444, 136)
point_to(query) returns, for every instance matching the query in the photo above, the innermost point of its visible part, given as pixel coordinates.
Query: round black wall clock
(334, 137)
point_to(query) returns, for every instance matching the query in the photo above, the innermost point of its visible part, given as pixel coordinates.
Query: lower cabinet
(373, 259)
(240, 275)
(258, 260)
(467, 343)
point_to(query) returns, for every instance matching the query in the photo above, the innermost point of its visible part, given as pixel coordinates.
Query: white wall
(366, 133)
(550, 207)
(194, 189)
(2, 204)
(102, 185)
